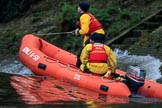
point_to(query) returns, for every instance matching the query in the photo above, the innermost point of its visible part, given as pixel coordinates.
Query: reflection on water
(8, 95)
(45, 90)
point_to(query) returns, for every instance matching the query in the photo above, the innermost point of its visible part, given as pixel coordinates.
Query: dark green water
(18, 91)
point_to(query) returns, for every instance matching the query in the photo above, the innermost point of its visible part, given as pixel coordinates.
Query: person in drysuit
(97, 57)
(86, 25)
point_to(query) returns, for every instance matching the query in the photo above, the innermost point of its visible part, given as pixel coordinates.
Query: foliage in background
(10, 9)
(110, 17)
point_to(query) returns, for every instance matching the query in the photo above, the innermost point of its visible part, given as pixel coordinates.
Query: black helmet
(96, 37)
(84, 6)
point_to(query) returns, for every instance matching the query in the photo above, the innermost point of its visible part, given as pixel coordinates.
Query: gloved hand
(76, 32)
(108, 73)
(115, 75)
(120, 78)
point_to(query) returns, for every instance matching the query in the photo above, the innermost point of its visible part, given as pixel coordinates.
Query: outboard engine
(135, 78)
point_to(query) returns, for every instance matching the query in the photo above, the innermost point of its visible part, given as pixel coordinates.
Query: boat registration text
(31, 53)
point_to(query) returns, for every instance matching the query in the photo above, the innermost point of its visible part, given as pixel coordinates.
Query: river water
(19, 87)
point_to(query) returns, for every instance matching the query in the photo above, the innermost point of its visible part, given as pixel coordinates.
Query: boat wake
(14, 66)
(147, 62)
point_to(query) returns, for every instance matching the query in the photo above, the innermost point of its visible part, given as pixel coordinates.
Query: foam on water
(14, 67)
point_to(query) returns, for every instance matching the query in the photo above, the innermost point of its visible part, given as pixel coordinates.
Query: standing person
(97, 57)
(87, 25)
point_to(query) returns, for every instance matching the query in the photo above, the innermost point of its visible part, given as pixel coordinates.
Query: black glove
(114, 75)
(118, 76)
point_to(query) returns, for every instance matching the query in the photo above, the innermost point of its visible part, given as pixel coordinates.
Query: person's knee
(78, 63)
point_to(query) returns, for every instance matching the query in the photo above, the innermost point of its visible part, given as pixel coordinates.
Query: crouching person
(97, 57)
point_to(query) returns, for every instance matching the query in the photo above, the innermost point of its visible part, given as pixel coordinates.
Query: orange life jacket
(97, 54)
(94, 24)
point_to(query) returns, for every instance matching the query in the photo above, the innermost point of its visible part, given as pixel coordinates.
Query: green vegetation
(47, 16)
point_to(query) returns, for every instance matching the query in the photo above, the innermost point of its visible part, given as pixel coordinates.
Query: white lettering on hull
(30, 53)
(76, 76)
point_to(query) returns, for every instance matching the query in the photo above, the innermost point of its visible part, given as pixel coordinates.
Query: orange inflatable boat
(45, 59)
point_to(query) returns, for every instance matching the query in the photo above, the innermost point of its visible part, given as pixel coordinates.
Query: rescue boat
(45, 59)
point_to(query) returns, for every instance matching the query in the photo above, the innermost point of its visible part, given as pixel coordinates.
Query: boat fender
(104, 88)
(42, 66)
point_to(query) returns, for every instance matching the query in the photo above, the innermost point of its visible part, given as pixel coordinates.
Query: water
(20, 88)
